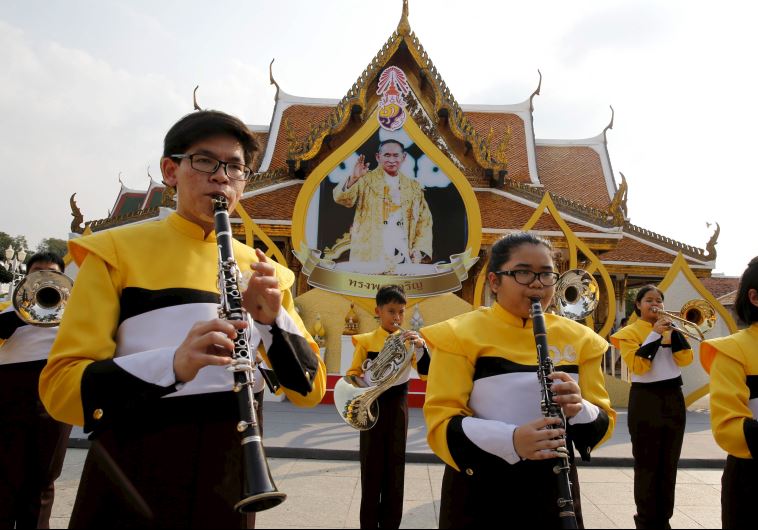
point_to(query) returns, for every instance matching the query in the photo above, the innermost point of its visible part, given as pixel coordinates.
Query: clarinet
(259, 491)
(553, 410)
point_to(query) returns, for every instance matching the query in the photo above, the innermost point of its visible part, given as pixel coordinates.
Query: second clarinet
(260, 493)
(551, 409)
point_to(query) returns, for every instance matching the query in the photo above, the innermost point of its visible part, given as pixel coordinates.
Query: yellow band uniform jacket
(732, 363)
(647, 358)
(483, 384)
(367, 231)
(368, 346)
(138, 292)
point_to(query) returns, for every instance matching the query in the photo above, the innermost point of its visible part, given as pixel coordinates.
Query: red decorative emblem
(393, 86)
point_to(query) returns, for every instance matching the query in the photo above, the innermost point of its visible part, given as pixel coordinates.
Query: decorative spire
(319, 333)
(119, 180)
(194, 98)
(711, 246)
(617, 209)
(272, 80)
(76, 213)
(610, 125)
(148, 174)
(536, 91)
(351, 322)
(417, 321)
(404, 27)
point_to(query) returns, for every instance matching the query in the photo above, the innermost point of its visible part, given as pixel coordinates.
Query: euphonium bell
(41, 296)
(576, 294)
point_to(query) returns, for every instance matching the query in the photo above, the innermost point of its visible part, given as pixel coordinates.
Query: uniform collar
(188, 228)
(509, 318)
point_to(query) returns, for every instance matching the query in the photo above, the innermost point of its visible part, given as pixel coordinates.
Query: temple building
(484, 170)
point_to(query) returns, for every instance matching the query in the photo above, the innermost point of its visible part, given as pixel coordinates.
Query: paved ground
(326, 494)
(313, 457)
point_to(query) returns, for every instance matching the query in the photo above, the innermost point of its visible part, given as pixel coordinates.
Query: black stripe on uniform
(9, 323)
(137, 301)
(752, 384)
(293, 360)
(492, 366)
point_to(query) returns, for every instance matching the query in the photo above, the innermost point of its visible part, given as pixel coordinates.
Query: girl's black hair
(747, 313)
(641, 294)
(502, 249)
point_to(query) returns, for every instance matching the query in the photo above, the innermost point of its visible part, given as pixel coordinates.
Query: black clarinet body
(259, 492)
(553, 410)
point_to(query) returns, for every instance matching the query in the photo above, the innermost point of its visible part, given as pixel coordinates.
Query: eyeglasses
(526, 277)
(208, 164)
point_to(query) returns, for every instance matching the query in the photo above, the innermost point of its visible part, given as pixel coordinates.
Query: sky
(88, 89)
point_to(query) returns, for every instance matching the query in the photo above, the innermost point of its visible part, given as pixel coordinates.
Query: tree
(17, 242)
(54, 245)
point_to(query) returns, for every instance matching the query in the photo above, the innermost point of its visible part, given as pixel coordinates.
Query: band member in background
(382, 448)
(141, 358)
(32, 444)
(482, 408)
(733, 364)
(654, 352)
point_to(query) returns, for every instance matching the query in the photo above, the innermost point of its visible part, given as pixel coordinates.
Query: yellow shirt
(484, 367)
(368, 345)
(664, 363)
(732, 363)
(139, 290)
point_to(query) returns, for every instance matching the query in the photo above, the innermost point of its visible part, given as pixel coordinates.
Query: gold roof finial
(119, 179)
(617, 209)
(272, 80)
(351, 322)
(194, 98)
(711, 246)
(76, 213)
(610, 125)
(404, 27)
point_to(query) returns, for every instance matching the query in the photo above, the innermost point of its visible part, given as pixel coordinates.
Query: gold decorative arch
(680, 266)
(252, 230)
(574, 246)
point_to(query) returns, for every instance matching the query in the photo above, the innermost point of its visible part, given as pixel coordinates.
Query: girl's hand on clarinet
(532, 441)
(208, 343)
(566, 393)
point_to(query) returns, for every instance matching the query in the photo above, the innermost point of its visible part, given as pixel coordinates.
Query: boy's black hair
(390, 293)
(501, 250)
(390, 141)
(746, 312)
(205, 124)
(641, 294)
(46, 257)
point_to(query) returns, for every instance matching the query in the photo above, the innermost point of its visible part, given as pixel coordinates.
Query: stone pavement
(326, 494)
(313, 456)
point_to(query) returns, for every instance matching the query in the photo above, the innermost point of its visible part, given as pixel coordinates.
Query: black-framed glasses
(208, 164)
(526, 277)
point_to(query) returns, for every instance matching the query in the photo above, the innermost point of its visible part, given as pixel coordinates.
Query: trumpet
(40, 297)
(696, 318)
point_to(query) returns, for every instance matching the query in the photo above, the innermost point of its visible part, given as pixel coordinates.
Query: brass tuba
(355, 403)
(696, 318)
(41, 296)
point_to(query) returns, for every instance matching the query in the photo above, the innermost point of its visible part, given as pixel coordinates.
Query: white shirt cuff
(654, 336)
(492, 436)
(588, 414)
(152, 366)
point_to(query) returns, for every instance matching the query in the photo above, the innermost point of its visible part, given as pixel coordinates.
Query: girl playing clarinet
(733, 364)
(482, 406)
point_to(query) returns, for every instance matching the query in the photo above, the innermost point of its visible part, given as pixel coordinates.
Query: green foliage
(17, 243)
(631, 295)
(54, 245)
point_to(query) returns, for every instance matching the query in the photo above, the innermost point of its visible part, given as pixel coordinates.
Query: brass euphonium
(41, 296)
(696, 318)
(357, 404)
